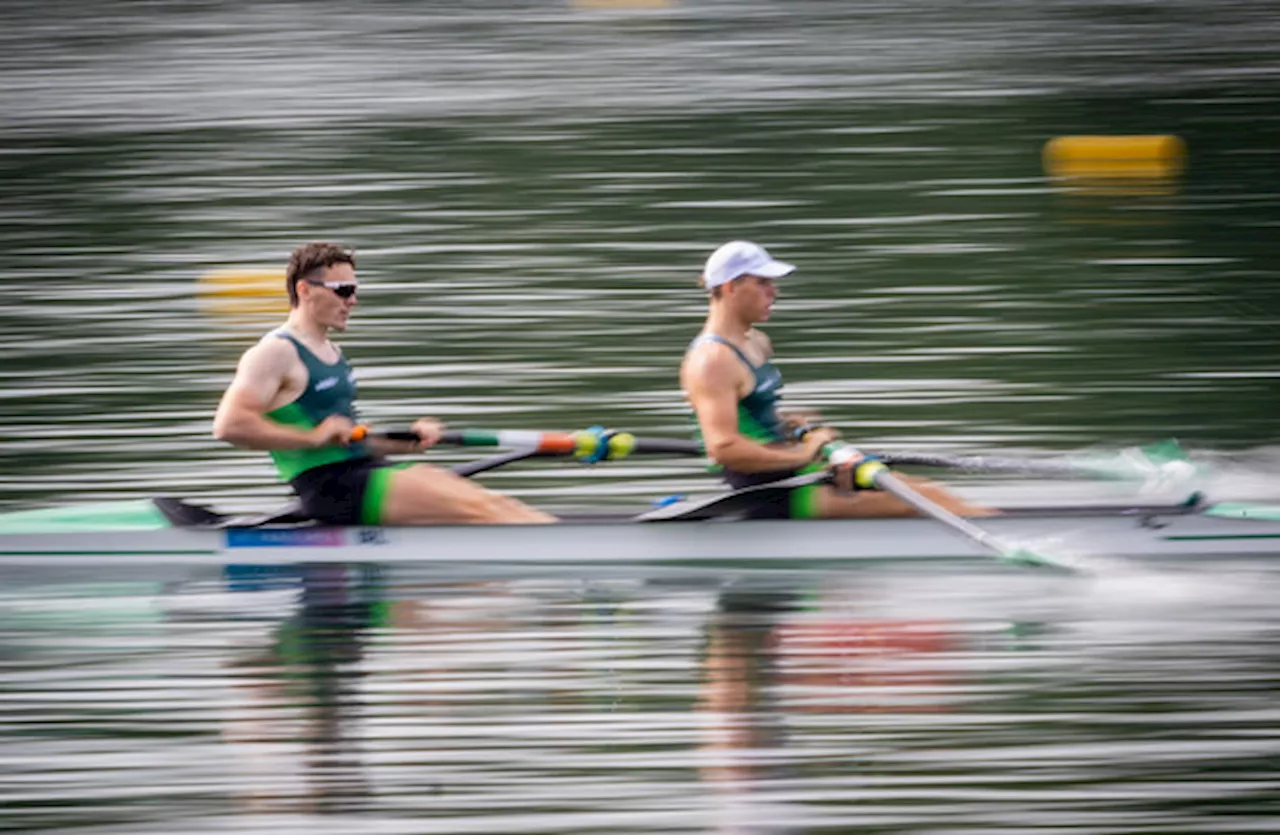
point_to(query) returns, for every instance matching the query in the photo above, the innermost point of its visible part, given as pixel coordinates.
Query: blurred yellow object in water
(239, 292)
(1157, 157)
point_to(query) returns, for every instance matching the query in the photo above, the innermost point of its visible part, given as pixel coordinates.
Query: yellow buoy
(243, 291)
(1154, 157)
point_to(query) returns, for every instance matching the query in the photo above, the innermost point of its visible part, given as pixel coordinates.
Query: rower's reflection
(743, 728)
(468, 660)
(339, 605)
(833, 663)
(774, 659)
(312, 669)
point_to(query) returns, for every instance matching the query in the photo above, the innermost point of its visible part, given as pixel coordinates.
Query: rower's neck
(724, 322)
(306, 328)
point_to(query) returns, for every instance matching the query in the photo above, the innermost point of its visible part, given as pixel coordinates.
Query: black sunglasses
(342, 291)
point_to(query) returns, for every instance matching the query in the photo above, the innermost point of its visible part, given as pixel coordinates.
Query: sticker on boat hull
(371, 536)
(295, 538)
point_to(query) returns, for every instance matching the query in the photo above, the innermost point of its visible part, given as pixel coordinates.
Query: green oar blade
(1161, 461)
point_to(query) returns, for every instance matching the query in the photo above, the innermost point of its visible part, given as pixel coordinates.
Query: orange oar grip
(557, 443)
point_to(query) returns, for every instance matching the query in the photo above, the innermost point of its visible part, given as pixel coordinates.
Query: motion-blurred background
(532, 188)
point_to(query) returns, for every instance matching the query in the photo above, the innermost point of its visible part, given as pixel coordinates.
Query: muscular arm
(710, 377)
(260, 378)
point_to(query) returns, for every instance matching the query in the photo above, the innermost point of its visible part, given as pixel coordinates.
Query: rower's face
(757, 295)
(331, 296)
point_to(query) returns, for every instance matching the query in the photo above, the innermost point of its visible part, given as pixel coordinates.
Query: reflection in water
(772, 656)
(314, 664)
(326, 651)
(890, 699)
(743, 750)
(850, 664)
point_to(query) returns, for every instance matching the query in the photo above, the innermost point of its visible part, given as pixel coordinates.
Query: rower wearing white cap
(734, 389)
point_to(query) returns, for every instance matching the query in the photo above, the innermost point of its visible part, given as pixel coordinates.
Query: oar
(535, 444)
(589, 445)
(482, 465)
(1163, 460)
(594, 443)
(870, 473)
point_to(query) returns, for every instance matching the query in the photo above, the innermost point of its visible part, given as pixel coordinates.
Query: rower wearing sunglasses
(294, 396)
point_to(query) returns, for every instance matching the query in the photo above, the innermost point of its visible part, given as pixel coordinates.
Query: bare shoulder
(710, 364)
(270, 358)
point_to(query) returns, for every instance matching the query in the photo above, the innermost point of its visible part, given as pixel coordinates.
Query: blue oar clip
(601, 449)
(669, 500)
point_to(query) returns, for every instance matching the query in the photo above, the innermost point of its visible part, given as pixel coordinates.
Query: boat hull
(601, 545)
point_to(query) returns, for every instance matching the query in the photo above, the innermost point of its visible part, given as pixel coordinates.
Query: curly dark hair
(311, 257)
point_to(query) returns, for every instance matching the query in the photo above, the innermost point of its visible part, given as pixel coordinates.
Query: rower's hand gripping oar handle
(852, 468)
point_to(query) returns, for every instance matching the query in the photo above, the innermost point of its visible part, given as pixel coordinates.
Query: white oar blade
(1006, 551)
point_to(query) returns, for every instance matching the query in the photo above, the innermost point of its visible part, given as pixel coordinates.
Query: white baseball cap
(738, 258)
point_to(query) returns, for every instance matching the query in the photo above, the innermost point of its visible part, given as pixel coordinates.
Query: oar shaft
(890, 483)
(483, 465)
(983, 464)
(667, 446)
(870, 472)
(546, 442)
(570, 443)
(1163, 461)
(409, 437)
(586, 444)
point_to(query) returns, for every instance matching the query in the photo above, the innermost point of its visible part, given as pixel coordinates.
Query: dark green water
(532, 189)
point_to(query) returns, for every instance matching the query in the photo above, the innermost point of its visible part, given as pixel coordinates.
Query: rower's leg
(834, 504)
(424, 495)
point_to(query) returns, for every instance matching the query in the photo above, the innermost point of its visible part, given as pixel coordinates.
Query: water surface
(532, 189)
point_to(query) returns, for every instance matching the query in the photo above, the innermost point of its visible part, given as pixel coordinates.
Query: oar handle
(866, 467)
(362, 433)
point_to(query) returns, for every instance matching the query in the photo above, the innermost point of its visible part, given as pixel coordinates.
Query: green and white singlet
(758, 420)
(758, 411)
(340, 485)
(330, 390)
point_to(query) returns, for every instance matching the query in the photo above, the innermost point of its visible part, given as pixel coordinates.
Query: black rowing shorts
(796, 503)
(348, 492)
